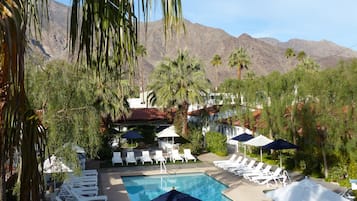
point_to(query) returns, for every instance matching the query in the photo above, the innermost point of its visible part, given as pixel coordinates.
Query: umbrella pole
(245, 150)
(281, 163)
(261, 155)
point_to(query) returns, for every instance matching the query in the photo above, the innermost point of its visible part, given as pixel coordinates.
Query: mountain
(267, 54)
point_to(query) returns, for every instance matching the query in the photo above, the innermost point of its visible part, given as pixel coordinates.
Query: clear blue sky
(333, 20)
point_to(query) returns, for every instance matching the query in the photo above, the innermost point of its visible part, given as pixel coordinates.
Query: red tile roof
(146, 114)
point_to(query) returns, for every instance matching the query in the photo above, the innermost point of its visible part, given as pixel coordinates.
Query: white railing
(163, 167)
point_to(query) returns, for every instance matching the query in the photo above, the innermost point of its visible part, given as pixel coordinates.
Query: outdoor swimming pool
(199, 185)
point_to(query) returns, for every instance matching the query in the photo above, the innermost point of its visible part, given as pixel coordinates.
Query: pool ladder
(162, 167)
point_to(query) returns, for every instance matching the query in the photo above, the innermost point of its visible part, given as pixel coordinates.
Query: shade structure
(133, 134)
(167, 132)
(243, 138)
(259, 141)
(55, 165)
(280, 144)
(175, 195)
(306, 190)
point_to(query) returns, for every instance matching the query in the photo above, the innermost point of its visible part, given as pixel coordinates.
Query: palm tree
(179, 82)
(216, 61)
(289, 52)
(110, 27)
(141, 52)
(106, 28)
(19, 131)
(239, 58)
(301, 55)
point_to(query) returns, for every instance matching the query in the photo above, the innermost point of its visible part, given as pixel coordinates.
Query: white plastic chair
(117, 158)
(265, 179)
(188, 156)
(252, 174)
(88, 198)
(228, 163)
(231, 159)
(240, 169)
(130, 158)
(145, 157)
(236, 164)
(159, 157)
(248, 170)
(175, 156)
(353, 184)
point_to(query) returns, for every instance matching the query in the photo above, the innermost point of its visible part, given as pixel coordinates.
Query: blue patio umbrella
(133, 134)
(280, 144)
(175, 195)
(242, 138)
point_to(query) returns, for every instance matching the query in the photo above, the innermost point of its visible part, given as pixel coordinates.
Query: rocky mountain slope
(267, 54)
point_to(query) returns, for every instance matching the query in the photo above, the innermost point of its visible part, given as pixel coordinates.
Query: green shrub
(216, 143)
(196, 142)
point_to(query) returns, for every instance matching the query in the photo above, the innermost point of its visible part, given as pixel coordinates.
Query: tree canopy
(179, 82)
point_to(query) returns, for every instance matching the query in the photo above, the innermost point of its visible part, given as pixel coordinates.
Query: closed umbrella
(175, 195)
(280, 144)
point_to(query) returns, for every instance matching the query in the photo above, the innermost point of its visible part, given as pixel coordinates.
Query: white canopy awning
(167, 132)
(258, 141)
(306, 190)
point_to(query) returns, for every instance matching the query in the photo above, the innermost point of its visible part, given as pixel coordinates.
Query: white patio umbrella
(306, 190)
(259, 141)
(55, 165)
(168, 132)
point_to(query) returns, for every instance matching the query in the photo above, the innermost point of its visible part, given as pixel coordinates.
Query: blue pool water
(199, 185)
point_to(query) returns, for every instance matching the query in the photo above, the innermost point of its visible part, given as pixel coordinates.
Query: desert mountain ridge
(267, 54)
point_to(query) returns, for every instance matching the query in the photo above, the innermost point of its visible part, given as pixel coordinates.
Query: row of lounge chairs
(146, 158)
(81, 188)
(251, 170)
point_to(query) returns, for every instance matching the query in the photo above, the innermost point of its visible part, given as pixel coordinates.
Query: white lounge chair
(236, 164)
(82, 181)
(353, 184)
(265, 179)
(175, 156)
(188, 156)
(252, 174)
(231, 159)
(130, 158)
(159, 157)
(89, 172)
(236, 161)
(66, 191)
(240, 169)
(248, 170)
(88, 198)
(117, 158)
(145, 157)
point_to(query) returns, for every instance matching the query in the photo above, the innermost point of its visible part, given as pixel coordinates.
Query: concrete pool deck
(239, 189)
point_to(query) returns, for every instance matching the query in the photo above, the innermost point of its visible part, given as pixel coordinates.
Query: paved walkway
(239, 189)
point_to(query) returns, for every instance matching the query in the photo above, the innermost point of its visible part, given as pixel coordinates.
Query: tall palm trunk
(184, 120)
(239, 73)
